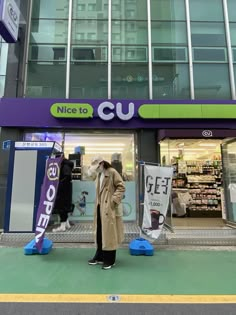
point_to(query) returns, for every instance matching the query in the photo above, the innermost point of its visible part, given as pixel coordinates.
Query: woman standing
(108, 221)
(63, 203)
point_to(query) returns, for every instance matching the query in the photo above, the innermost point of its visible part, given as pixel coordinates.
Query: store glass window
(169, 33)
(197, 177)
(53, 9)
(88, 80)
(116, 148)
(232, 10)
(85, 10)
(170, 81)
(40, 31)
(208, 34)
(211, 81)
(130, 80)
(168, 10)
(129, 10)
(46, 79)
(44, 136)
(89, 32)
(202, 10)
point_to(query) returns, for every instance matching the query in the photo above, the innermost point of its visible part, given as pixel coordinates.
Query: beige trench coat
(109, 197)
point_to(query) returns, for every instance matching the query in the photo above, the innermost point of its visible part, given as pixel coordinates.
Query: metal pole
(109, 51)
(26, 56)
(149, 49)
(229, 48)
(68, 50)
(190, 55)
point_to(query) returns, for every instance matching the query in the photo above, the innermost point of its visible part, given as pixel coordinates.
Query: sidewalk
(65, 271)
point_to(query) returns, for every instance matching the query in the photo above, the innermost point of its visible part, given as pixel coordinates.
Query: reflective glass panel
(202, 10)
(168, 10)
(90, 10)
(3, 58)
(130, 81)
(209, 54)
(47, 53)
(169, 33)
(89, 32)
(88, 80)
(52, 9)
(129, 54)
(233, 33)
(129, 32)
(46, 80)
(129, 10)
(170, 54)
(171, 81)
(40, 31)
(232, 10)
(208, 34)
(89, 53)
(211, 81)
(2, 85)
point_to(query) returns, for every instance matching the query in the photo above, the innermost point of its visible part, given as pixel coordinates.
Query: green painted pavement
(65, 270)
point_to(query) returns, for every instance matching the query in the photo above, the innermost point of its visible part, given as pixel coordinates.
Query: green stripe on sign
(147, 111)
(198, 111)
(180, 111)
(219, 111)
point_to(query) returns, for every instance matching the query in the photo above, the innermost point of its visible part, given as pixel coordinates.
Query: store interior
(197, 188)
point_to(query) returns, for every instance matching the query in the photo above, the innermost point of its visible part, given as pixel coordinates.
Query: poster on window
(157, 189)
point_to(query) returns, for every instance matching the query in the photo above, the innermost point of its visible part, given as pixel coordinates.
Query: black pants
(63, 216)
(107, 256)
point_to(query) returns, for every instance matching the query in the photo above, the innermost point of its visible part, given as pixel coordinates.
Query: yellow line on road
(106, 298)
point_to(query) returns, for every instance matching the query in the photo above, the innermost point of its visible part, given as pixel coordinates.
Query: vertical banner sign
(47, 198)
(9, 20)
(158, 183)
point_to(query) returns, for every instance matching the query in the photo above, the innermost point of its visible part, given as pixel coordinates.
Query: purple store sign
(116, 114)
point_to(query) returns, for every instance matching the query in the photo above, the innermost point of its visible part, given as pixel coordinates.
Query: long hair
(106, 165)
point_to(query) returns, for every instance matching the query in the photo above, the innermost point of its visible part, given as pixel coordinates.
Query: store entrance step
(83, 233)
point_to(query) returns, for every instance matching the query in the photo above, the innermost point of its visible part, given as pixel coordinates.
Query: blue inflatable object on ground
(140, 246)
(31, 249)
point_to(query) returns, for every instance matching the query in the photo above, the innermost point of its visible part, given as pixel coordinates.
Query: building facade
(176, 57)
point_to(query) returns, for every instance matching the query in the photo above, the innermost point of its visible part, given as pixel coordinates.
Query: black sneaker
(95, 262)
(106, 266)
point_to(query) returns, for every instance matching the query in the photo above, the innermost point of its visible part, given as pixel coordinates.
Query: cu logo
(53, 171)
(12, 13)
(207, 133)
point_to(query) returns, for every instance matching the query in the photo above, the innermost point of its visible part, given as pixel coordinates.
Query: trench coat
(109, 197)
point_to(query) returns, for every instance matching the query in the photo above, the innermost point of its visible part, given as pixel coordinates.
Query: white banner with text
(157, 189)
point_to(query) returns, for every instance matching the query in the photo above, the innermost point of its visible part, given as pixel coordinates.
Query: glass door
(228, 149)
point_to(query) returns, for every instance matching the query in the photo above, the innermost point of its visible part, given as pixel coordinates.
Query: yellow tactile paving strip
(103, 298)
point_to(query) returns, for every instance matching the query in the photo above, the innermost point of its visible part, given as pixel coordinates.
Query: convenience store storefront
(128, 130)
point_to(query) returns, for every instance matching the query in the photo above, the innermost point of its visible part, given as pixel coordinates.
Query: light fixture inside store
(207, 145)
(103, 152)
(96, 144)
